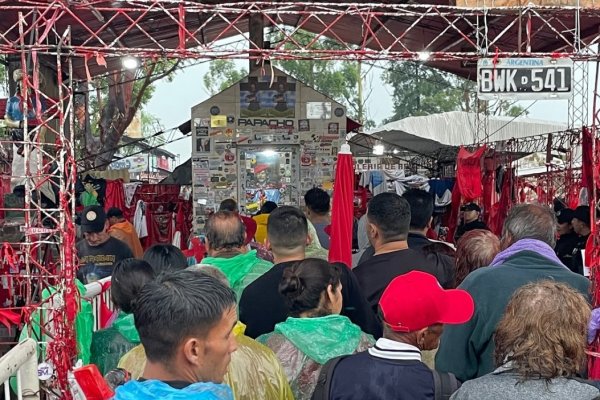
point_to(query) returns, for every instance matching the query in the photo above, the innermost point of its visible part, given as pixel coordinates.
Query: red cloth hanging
(160, 226)
(587, 160)
(489, 192)
(454, 209)
(468, 173)
(342, 212)
(500, 209)
(114, 195)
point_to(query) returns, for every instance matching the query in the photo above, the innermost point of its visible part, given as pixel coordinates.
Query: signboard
(133, 163)
(318, 110)
(524, 78)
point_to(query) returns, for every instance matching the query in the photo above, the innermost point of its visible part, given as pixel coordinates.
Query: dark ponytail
(303, 284)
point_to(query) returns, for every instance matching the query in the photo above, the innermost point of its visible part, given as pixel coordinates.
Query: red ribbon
(8, 318)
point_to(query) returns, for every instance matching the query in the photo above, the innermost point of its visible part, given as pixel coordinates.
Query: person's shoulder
(273, 274)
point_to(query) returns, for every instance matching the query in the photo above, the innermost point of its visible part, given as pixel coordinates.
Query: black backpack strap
(445, 384)
(324, 381)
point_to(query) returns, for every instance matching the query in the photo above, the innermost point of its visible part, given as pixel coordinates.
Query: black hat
(471, 207)
(582, 213)
(565, 215)
(93, 219)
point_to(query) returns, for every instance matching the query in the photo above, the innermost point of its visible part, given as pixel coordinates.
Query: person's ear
(372, 230)
(421, 337)
(331, 295)
(308, 240)
(430, 222)
(268, 243)
(193, 350)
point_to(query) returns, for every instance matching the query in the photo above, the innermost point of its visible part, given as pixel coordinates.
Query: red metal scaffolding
(82, 39)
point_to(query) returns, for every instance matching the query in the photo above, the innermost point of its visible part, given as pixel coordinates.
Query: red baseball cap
(260, 168)
(416, 300)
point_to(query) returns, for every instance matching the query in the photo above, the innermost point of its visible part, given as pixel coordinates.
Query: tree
(222, 74)
(113, 102)
(422, 90)
(343, 81)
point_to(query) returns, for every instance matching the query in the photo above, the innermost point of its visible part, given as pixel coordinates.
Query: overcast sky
(172, 102)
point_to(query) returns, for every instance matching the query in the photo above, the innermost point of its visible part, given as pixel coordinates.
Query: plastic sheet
(153, 389)
(303, 345)
(240, 270)
(254, 371)
(109, 345)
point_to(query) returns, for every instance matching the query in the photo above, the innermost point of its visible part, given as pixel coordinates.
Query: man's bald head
(224, 232)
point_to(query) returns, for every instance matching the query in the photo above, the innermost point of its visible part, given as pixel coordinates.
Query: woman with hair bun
(314, 332)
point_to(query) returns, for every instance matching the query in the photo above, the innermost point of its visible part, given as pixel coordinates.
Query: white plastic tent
(430, 133)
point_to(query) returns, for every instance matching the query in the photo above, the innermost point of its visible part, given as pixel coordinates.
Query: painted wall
(264, 138)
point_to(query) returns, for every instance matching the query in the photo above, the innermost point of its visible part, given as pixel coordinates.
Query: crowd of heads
(185, 316)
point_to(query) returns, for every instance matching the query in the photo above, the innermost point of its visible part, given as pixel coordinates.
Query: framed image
(303, 125)
(202, 131)
(333, 128)
(202, 145)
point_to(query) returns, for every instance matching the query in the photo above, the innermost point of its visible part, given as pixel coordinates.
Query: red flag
(342, 213)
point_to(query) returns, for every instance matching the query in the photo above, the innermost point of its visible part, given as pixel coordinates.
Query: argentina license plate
(524, 78)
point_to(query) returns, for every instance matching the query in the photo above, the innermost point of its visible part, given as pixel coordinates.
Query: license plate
(525, 78)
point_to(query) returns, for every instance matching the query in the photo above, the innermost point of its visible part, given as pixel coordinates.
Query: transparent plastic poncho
(254, 371)
(303, 345)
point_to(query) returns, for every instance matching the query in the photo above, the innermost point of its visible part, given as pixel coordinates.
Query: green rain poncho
(109, 345)
(84, 323)
(303, 345)
(240, 270)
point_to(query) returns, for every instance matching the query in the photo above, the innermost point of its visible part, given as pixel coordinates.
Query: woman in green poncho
(315, 332)
(109, 345)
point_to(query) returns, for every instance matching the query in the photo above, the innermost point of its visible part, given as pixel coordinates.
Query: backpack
(444, 383)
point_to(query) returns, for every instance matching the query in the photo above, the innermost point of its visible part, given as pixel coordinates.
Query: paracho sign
(524, 78)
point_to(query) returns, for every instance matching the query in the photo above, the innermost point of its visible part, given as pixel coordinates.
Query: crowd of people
(493, 318)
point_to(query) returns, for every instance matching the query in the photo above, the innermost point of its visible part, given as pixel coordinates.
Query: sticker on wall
(229, 132)
(202, 131)
(303, 125)
(230, 119)
(318, 110)
(305, 160)
(333, 128)
(229, 157)
(218, 121)
(202, 145)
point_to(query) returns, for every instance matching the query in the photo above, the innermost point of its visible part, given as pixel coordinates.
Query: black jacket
(464, 228)
(262, 306)
(378, 271)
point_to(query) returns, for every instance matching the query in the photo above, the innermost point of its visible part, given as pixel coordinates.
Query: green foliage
(422, 90)
(335, 79)
(342, 81)
(221, 75)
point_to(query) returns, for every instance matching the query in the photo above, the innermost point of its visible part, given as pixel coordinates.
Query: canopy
(431, 133)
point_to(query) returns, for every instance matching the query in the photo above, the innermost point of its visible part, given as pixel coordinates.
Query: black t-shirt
(464, 228)
(97, 262)
(375, 274)
(262, 306)
(577, 261)
(564, 248)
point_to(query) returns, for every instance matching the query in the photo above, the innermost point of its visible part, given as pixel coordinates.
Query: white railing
(21, 362)
(95, 293)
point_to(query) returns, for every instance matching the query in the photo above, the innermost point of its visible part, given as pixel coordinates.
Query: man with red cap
(413, 309)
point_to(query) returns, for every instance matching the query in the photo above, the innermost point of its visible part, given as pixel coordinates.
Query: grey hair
(210, 270)
(531, 221)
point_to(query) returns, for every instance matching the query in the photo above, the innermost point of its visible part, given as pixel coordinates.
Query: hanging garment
(130, 189)
(115, 195)
(160, 228)
(468, 173)
(139, 220)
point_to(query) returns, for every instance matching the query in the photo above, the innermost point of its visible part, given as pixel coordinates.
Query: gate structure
(78, 40)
